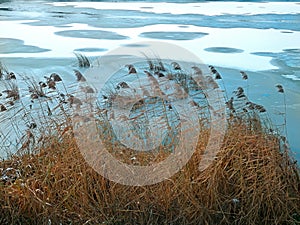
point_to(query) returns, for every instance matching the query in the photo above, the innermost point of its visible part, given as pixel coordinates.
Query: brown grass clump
(253, 179)
(251, 182)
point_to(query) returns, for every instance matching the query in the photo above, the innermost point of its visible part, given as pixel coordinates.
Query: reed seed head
(79, 76)
(280, 88)
(55, 77)
(176, 66)
(244, 75)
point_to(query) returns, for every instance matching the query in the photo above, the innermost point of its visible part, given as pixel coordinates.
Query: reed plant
(253, 179)
(83, 61)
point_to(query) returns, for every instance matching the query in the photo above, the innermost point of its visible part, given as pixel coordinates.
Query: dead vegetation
(253, 179)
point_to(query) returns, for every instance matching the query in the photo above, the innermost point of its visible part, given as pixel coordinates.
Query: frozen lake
(262, 38)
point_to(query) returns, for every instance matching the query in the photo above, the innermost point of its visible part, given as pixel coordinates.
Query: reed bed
(253, 179)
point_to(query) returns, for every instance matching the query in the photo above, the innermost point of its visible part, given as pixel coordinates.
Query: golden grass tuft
(253, 179)
(250, 182)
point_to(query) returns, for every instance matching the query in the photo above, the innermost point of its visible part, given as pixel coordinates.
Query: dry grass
(253, 180)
